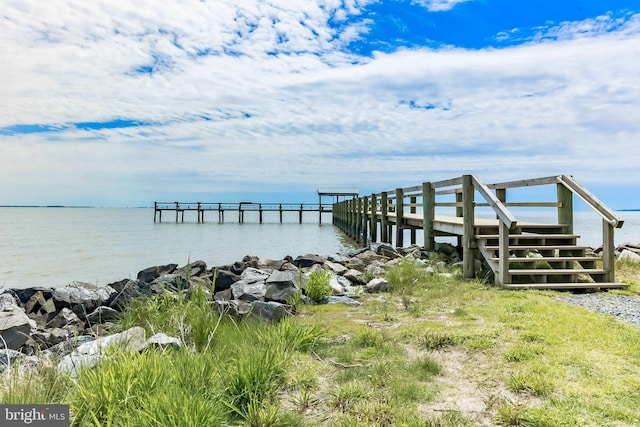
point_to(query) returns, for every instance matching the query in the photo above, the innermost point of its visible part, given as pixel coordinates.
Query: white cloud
(440, 5)
(315, 117)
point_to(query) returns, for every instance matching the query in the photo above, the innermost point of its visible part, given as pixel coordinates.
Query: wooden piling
(384, 218)
(468, 237)
(399, 217)
(428, 215)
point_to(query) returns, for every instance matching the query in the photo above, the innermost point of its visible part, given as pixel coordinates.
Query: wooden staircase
(544, 256)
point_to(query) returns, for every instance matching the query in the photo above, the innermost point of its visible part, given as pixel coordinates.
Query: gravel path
(623, 307)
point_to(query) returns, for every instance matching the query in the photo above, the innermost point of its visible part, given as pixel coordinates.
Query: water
(52, 247)
(55, 246)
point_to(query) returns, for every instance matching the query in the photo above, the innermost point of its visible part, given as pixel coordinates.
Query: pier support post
(384, 218)
(374, 218)
(365, 219)
(503, 253)
(300, 219)
(468, 237)
(399, 217)
(177, 211)
(413, 210)
(428, 215)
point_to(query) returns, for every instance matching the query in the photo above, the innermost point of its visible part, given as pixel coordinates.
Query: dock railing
(421, 207)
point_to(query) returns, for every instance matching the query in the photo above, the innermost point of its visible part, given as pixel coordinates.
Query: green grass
(529, 358)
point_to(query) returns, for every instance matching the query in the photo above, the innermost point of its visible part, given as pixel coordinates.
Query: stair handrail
(592, 201)
(501, 211)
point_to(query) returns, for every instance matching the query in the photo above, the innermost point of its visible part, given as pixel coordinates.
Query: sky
(122, 103)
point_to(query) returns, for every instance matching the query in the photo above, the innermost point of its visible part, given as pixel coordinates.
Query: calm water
(52, 247)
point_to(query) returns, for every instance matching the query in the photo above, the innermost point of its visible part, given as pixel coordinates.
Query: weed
(317, 287)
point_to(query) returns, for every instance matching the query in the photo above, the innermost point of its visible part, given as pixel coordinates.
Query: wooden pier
(179, 209)
(521, 254)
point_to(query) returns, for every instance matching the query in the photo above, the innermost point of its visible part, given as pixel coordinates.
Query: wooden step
(567, 286)
(554, 271)
(529, 236)
(549, 259)
(538, 247)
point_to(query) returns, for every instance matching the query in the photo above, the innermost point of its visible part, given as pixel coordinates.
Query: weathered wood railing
(419, 207)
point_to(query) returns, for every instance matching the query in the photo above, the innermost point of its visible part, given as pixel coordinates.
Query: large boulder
(8, 357)
(355, 276)
(269, 310)
(126, 292)
(377, 285)
(102, 314)
(83, 298)
(629, 256)
(335, 268)
(305, 261)
(281, 286)
(224, 279)
(173, 282)
(148, 275)
(194, 269)
(66, 319)
(245, 291)
(15, 325)
(88, 354)
(253, 275)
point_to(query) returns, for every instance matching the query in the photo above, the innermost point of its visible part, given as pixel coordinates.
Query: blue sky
(119, 103)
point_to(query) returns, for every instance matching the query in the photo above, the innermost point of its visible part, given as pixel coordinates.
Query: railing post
(503, 277)
(384, 218)
(608, 252)
(565, 210)
(399, 217)
(365, 219)
(501, 194)
(374, 218)
(428, 215)
(468, 237)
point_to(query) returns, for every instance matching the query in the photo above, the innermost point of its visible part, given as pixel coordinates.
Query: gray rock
(161, 340)
(102, 314)
(269, 310)
(39, 305)
(66, 347)
(224, 279)
(336, 286)
(126, 293)
(148, 275)
(196, 268)
(376, 268)
(65, 317)
(308, 260)
(629, 256)
(8, 357)
(341, 300)
(15, 326)
(131, 339)
(7, 300)
(232, 308)
(249, 292)
(385, 250)
(173, 282)
(82, 298)
(355, 276)
(377, 285)
(225, 295)
(253, 275)
(73, 363)
(23, 295)
(357, 264)
(50, 337)
(368, 256)
(281, 286)
(270, 264)
(335, 267)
